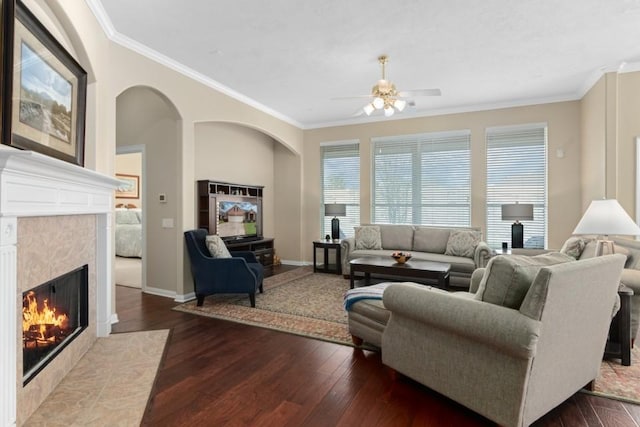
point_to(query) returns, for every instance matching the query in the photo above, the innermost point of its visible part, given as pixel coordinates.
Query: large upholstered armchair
(238, 273)
(510, 364)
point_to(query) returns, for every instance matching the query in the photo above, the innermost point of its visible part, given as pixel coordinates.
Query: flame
(34, 320)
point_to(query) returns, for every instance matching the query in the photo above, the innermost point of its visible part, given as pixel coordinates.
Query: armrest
(247, 255)
(482, 254)
(502, 328)
(476, 278)
(346, 247)
(631, 279)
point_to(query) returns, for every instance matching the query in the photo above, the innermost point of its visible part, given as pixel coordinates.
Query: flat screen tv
(238, 217)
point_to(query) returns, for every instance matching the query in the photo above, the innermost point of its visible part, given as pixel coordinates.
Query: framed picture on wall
(45, 103)
(129, 187)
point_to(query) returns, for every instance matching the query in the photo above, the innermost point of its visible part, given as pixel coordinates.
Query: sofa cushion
(427, 239)
(590, 249)
(507, 278)
(368, 237)
(463, 243)
(216, 247)
(399, 237)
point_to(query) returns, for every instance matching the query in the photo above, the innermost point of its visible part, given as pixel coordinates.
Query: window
(517, 172)
(340, 171)
(422, 179)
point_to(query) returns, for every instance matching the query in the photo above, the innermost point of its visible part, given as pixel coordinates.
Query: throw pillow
(574, 247)
(368, 237)
(507, 278)
(463, 243)
(216, 247)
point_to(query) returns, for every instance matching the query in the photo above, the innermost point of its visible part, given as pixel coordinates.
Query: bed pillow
(368, 237)
(126, 217)
(216, 247)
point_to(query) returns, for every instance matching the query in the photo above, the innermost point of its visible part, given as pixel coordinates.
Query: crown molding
(126, 42)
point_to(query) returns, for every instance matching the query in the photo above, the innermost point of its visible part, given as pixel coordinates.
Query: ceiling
(291, 57)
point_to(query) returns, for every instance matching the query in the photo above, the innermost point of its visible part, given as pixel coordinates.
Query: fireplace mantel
(35, 185)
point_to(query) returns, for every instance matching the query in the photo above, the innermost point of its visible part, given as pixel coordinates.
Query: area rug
(620, 382)
(297, 301)
(110, 385)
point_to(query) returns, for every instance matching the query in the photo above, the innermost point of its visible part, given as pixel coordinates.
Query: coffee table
(413, 268)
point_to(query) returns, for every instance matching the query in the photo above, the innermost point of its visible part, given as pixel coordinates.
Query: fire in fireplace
(53, 314)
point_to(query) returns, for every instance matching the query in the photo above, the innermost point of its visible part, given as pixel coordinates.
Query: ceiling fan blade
(420, 92)
(342, 98)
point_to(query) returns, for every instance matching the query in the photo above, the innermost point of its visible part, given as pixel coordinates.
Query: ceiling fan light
(368, 109)
(378, 103)
(400, 104)
(388, 111)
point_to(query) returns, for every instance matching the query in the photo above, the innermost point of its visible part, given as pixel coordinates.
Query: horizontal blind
(422, 179)
(340, 171)
(517, 172)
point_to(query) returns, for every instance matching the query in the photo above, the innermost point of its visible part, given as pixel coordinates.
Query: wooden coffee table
(413, 268)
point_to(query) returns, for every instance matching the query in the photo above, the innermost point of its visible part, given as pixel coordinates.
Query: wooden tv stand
(263, 248)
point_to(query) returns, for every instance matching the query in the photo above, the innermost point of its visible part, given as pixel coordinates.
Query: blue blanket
(367, 292)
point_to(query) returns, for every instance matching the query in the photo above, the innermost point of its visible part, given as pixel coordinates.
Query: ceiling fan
(387, 98)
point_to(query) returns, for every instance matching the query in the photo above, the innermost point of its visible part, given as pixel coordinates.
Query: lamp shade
(517, 212)
(606, 217)
(335, 209)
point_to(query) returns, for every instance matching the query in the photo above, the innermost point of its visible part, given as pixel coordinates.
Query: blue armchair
(240, 274)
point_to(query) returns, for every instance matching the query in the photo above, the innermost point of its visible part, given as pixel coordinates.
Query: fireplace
(53, 314)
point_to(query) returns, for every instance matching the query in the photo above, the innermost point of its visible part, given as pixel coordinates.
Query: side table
(327, 266)
(619, 341)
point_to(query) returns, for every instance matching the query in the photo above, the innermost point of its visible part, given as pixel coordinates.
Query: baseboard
(114, 318)
(159, 292)
(297, 263)
(186, 297)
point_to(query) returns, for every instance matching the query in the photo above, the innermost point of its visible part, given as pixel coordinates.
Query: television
(238, 217)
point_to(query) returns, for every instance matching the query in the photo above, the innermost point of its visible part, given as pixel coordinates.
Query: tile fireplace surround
(53, 215)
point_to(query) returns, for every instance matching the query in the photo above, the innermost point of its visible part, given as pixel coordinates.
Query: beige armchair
(512, 365)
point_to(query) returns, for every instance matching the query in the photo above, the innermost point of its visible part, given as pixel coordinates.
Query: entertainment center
(234, 212)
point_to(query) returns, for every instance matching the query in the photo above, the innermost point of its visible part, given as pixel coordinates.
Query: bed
(129, 233)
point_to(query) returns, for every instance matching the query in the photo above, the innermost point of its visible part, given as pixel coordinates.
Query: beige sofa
(630, 274)
(512, 365)
(424, 243)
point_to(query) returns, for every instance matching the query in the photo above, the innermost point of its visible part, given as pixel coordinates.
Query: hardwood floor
(219, 373)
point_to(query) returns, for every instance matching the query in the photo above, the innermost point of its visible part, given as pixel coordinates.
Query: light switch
(162, 198)
(167, 222)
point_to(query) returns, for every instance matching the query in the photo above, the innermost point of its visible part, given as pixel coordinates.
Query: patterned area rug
(297, 301)
(310, 305)
(620, 382)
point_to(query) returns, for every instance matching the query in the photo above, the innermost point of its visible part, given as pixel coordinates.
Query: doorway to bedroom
(129, 241)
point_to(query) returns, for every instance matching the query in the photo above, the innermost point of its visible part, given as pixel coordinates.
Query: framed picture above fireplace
(45, 90)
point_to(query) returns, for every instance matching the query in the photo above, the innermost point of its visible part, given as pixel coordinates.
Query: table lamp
(517, 212)
(335, 210)
(604, 218)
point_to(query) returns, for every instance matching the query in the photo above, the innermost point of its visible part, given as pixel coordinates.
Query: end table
(619, 342)
(327, 266)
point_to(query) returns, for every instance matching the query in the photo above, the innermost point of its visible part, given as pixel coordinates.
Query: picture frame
(129, 188)
(45, 89)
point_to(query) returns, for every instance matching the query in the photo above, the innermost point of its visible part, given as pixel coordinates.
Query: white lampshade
(606, 217)
(388, 111)
(378, 103)
(368, 109)
(400, 104)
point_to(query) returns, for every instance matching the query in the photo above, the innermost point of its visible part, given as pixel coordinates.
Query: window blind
(517, 172)
(340, 172)
(422, 179)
